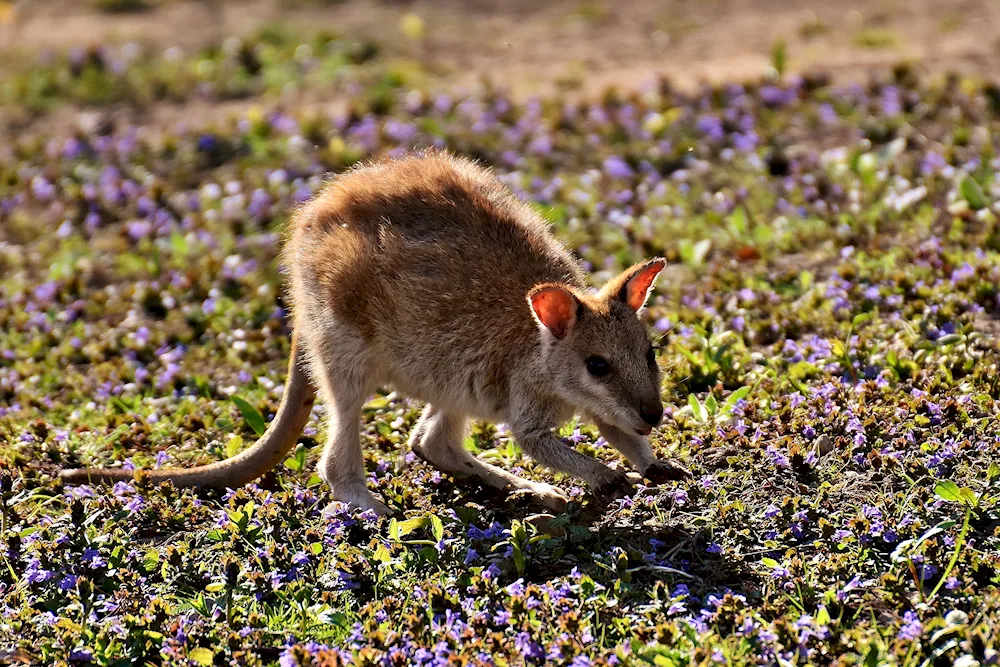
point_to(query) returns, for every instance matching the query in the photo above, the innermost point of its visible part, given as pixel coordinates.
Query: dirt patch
(580, 45)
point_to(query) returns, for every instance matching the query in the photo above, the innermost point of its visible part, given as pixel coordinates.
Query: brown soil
(584, 45)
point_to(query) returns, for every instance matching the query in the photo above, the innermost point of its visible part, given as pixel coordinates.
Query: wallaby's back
(430, 258)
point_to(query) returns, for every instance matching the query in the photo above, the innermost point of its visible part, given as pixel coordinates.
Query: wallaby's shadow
(586, 534)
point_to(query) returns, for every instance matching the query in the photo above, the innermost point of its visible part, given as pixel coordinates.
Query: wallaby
(426, 274)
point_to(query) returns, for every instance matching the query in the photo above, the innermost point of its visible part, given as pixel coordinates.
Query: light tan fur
(426, 274)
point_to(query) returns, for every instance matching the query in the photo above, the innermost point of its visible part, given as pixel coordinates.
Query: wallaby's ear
(635, 283)
(555, 308)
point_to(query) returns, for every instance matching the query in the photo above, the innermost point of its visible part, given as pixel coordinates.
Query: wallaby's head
(597, 351)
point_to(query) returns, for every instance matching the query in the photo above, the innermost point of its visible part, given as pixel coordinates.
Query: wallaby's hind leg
(437, 439)
(341, 373)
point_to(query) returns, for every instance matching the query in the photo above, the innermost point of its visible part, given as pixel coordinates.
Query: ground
(582, 46)
(826, 327)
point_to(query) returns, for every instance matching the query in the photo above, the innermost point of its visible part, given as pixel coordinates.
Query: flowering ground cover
(827, 332)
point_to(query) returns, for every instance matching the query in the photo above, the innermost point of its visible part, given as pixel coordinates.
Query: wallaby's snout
(652, 414)
(650, 406)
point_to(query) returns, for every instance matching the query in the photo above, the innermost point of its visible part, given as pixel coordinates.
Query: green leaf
(899, 553)
(202, 656)
(949, 339)
(410, 525)
(664, 661)
(993, 472)
(769, 562)
(779, 56)
(701, 249)
(251, 414)
(689, 355)
(178, 244)
(437, 528)
(297, 462)
(948, 491)
(735, 398)
(377, 404)
(696, 408)
(382, 554)
(394, 530)
(519, 561)
(331, 617)
(973, 193)
(867, 166)
(517, 531)
(234, 446)
(860, 319)
(711, 405)
(67, 624)
(738, 221)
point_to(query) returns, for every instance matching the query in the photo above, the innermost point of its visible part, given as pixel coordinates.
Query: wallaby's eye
(598, 366)
(651, 356)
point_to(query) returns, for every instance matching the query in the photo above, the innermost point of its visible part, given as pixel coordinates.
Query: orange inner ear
(638, 286)
(555, 308)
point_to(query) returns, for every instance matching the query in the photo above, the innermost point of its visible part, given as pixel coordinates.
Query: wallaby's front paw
(661, 471)
(615, 485)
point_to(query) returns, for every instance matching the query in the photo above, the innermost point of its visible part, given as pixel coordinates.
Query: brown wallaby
(426, 274)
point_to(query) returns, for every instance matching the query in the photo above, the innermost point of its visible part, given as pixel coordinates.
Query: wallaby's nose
(652, 416)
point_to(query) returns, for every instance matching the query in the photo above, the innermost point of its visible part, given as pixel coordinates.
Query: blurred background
(530, 47)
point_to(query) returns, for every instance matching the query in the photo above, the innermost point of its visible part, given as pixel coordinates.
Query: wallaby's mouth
(645, 430)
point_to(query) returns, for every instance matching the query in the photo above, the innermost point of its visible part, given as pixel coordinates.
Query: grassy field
(827, 331)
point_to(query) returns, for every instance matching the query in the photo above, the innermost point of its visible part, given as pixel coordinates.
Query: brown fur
(416, 273)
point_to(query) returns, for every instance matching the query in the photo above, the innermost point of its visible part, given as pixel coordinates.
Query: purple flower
(527, 647)
(711, 127)
(137, 504)
(80, 655)
(35, 573)
(616, 167)
(911, 629)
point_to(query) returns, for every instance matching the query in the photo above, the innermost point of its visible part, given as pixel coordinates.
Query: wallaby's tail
(248, 465)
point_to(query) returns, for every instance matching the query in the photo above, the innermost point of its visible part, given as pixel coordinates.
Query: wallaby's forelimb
(437, 439)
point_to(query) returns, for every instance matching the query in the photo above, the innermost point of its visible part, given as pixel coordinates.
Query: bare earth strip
(583, 46)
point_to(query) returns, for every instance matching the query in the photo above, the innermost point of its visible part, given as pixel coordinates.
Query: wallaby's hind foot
(437, 440)
(548, 496)
(357, 498)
